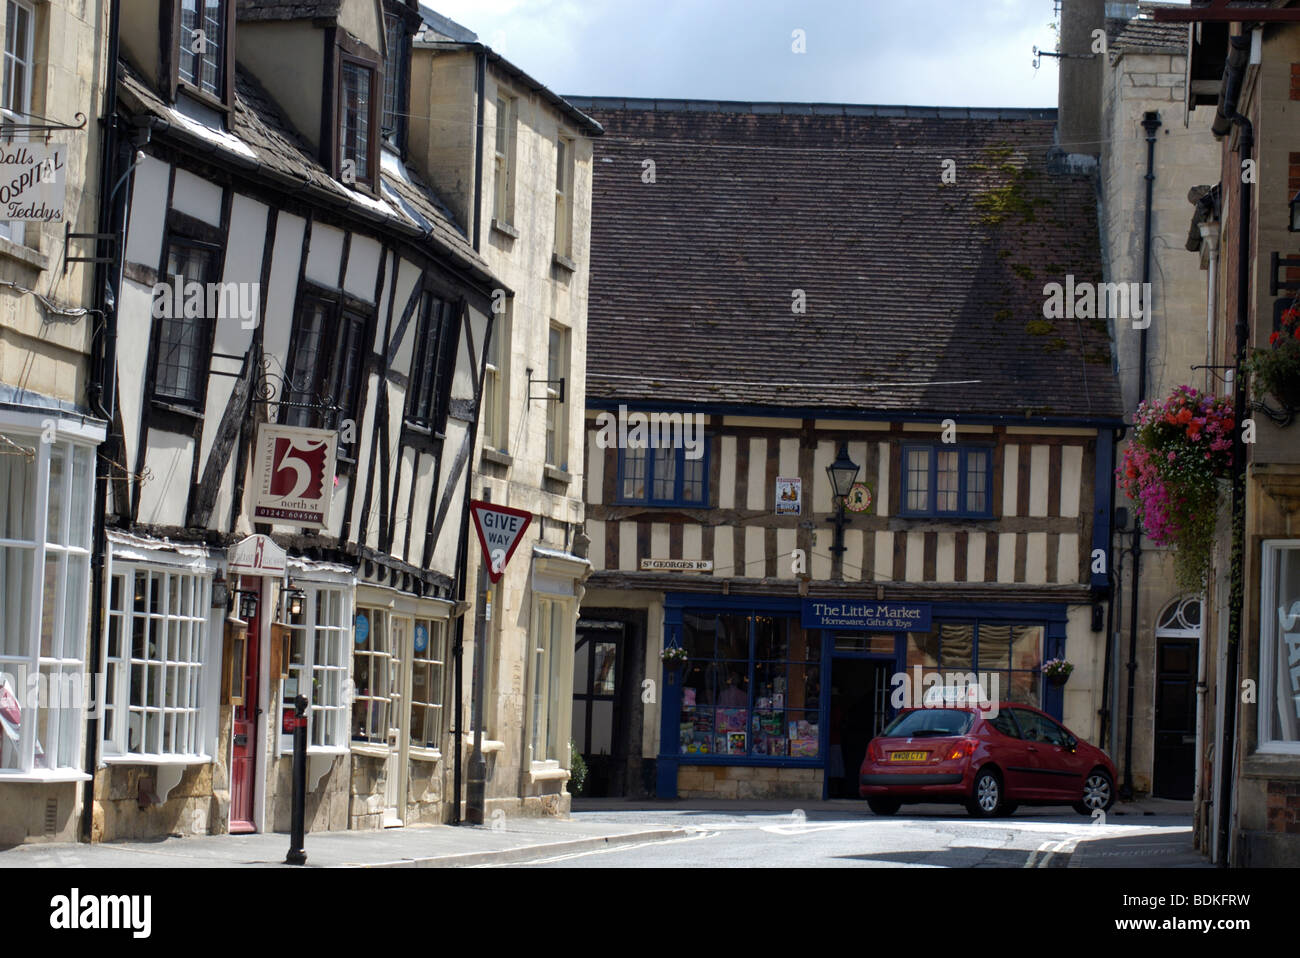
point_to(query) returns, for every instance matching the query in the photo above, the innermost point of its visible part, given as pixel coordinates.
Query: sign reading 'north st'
(500, 530)
(868, 616)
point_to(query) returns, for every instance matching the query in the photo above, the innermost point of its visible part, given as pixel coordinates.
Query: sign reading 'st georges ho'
(867, 616)
(33, 182)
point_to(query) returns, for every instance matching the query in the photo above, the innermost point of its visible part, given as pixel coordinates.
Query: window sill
(547, 772)
(44, 776)
(369, 749)
(155, 760)
(505, 229)
(562, 261)
(557, 475)
(418, 754)
(178, 409)
(24, 254)
(489, 745)
(497, 456)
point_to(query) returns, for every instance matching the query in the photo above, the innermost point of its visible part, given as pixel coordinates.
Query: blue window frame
(664, 476)
(947, 480)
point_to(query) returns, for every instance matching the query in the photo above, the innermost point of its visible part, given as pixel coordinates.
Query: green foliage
(1039, 327)
(577, 771)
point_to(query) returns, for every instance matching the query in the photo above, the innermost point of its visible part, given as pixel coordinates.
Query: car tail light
(873, 751)
(962, 748)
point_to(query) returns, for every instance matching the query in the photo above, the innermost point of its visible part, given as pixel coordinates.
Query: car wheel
(986, 797)
(1098, 793)
(884, 806)
(1008, 809)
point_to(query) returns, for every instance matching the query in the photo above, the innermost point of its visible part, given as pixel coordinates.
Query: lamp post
(843, 472)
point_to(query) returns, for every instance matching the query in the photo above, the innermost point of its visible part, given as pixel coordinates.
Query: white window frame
(432, 699)
(378, 649)
(16, 232)
(496, 378)
(550, 681)
(557, 408)
(506, 123)
(564, 195)
(191, 711)
(1273, 672)
(326, 715)
(58, 723)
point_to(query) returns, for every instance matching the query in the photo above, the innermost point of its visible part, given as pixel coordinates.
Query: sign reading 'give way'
(500, 529)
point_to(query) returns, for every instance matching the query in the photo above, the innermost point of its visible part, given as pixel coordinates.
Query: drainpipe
(102, 390)
(1107, 712)
(1209, 238)
(478, 148)
(1150, 123)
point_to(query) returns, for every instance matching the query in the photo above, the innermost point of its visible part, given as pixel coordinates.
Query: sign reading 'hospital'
(33, 182)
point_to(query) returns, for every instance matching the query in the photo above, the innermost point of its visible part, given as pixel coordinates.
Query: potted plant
(1181, 447)
(1057, 671)
(673, 656)
(1276, 370)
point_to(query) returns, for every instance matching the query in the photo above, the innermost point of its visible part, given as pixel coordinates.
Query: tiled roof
(262, 137)
(286, 9)
(907, 281)
(1144, 34)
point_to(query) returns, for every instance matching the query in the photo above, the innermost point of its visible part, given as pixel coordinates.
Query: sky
(919, 52)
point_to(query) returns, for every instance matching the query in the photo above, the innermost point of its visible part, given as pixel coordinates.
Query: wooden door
(243, 747)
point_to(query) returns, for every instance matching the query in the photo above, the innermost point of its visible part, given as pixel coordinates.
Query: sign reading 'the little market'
(33, 184)
(868, 616)
(295, 475)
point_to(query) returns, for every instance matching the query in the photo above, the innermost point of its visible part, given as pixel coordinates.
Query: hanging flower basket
(1057, 671)
(1276, 371)
(1180, 449)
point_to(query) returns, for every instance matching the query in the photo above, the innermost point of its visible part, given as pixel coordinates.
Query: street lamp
(843, 472)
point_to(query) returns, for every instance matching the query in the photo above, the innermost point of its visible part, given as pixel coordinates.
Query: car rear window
(930, 723)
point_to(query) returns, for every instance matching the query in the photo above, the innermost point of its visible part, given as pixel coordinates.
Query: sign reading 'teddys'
(295, 475)
(33, 184)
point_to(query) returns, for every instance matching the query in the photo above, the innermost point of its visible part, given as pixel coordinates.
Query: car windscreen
(930, 723)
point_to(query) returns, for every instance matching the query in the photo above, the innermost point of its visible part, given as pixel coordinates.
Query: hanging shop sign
(33, 184)
(859, 498)
(256, 555)
(295, 475)
(789, 496)
(868, 616)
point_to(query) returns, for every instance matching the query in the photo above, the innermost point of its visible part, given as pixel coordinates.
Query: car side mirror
(1071, 744)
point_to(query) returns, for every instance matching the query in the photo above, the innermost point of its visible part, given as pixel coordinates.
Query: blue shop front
(778, 697)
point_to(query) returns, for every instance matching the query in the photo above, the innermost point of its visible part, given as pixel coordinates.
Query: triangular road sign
(500, 529)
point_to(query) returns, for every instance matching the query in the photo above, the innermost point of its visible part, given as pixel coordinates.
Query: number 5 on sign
(500, 530)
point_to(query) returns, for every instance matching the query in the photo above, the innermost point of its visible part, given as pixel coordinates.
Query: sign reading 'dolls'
(500, 529)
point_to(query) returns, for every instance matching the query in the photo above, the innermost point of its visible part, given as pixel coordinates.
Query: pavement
(614, 829)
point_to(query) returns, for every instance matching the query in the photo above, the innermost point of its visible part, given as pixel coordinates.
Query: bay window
(373, 671)
(1279, 637)
(46, 490)
(428, 661)
(318, 664)
(551, 668)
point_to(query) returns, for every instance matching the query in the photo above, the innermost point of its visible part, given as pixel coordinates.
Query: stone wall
(738, 781)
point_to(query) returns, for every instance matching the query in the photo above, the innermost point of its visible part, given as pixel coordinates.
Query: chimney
(1078, 119)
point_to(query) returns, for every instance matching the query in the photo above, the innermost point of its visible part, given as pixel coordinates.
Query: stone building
(823, 296)
(52, 97)
(514, 161)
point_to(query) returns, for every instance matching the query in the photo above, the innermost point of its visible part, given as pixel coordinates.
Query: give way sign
(500, 529)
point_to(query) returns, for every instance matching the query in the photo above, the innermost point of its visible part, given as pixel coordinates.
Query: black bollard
(298, 856)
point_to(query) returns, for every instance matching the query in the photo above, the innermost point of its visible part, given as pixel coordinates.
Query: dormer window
(396, 70)
(356, 122)
(202, 46)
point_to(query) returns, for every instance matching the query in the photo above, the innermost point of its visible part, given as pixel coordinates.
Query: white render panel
(164, 497)
(1067, 558)
(884, 557)
(197, 197)
(945, 557)
(724, 551)
(134, 325)
(976, 550)
(915, 565)
(286, 257)
(882, 482)
(757, 495)
(467, 366)
(324, 255)
(1010, 483)
(788, 465)
(1006, 557)
(148, 213)
(786, 542)
(366, 436)
(403, 464)
(595, 470)
(1071, 480)
(338, 506)
(658, 540)
(363, 267)
(627, 558)
(854, 544)
(727, 474)
(823, 455)
(1039, 461)
(596, 530)
(426, 492)
(692, 542)
(1036, 558)
(408, 274)
(755, 552)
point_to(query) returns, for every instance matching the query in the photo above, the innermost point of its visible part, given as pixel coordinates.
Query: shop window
(991, 653)
(752, 686)
(154, 660)
(44, 594)
(1279, 636)
(552, 680)
(664, 476)
(373, 668)
(318, 664)
(946, 480)
(428, 660)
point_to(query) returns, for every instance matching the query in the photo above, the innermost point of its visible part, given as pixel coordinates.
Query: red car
(990, 761)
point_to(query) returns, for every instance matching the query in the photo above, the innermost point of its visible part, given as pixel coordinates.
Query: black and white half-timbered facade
(300, 343)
